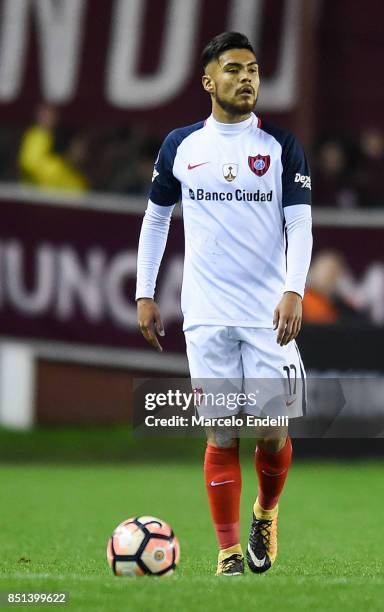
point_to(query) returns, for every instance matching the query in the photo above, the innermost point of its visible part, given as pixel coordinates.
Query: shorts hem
(226, 323)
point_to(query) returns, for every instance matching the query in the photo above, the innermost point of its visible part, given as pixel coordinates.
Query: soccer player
(245, 190)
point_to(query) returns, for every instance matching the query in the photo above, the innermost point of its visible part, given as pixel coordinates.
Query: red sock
(223, 481)
(272, 471)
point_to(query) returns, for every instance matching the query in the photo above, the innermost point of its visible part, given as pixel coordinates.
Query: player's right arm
(165, 192)
(153, 238)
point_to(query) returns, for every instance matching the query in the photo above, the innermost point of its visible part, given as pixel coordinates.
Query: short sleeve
(166, 189)
(296, 179)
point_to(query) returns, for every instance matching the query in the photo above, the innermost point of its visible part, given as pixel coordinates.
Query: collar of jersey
(231, 128)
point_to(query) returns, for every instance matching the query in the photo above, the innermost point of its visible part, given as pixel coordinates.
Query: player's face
(233, 81)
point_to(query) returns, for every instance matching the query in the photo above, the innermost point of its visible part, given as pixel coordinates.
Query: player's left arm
(296, 200)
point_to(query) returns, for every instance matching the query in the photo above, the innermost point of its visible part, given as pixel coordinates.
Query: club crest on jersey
(230, 172)
(259, 164)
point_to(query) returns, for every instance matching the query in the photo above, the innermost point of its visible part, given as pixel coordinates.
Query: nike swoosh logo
(216, 484)
(290, 403)
(192, 166)
(255, 560)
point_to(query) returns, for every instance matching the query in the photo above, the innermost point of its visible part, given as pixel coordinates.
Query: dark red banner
(128, 61)
(138, 61)
(69, 275)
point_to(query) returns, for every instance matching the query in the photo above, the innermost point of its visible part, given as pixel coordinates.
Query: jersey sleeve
(153, 238)
(296, 179)
(166, 189)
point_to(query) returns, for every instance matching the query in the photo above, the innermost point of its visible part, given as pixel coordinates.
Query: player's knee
(221, 437)
(271, 445)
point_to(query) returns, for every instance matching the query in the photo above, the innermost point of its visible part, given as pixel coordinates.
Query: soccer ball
(142, 546)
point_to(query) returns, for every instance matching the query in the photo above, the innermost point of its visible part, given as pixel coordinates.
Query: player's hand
(150, 323)
(287, 317)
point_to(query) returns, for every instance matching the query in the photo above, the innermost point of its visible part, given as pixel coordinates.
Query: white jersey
(234, 181)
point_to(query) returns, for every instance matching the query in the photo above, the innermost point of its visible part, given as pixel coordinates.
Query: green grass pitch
(55, 521)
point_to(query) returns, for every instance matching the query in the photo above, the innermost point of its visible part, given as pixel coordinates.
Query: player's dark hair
(221, 43)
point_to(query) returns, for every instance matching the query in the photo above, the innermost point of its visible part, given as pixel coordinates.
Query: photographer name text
(228, 421)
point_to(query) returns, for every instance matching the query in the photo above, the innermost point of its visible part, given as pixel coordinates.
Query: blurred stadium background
(87, 92)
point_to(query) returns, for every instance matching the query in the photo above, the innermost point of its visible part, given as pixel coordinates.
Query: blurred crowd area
(346, 173)
(51, 155)
(335, 295)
